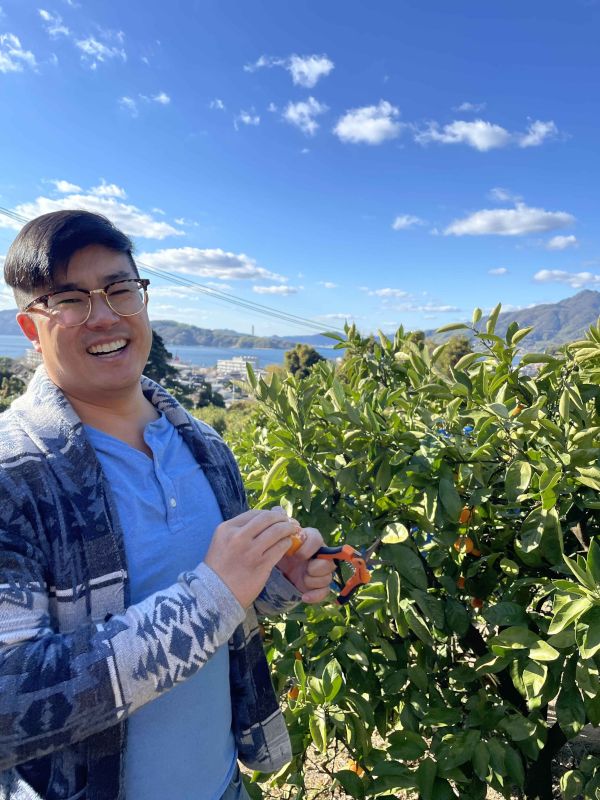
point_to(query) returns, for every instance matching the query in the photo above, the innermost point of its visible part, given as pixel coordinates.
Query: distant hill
(179, 333)
(553, 323)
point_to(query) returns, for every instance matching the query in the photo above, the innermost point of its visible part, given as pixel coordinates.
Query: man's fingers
(312, 542)
(315, 595)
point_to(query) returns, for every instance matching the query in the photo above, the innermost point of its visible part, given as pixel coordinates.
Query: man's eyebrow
(114, 276)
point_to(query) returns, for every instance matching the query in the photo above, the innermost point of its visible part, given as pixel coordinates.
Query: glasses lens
(126, 298)
(70, 308)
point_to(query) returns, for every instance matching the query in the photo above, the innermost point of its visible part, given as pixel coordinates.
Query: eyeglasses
(73, 307)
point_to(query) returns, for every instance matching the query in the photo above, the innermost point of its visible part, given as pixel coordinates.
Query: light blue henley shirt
(181, 744)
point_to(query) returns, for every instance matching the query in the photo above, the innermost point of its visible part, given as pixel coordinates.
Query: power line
(216, 294)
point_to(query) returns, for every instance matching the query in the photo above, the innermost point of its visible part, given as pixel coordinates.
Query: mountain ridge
(553, 324)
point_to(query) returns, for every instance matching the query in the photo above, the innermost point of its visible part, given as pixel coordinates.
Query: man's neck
(123, 417)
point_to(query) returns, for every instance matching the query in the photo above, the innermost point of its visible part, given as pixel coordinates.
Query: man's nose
(101, 314)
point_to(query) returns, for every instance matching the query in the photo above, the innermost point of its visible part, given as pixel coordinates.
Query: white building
(235, 367)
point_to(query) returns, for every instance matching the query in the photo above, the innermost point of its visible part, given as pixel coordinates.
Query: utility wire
(216, 294)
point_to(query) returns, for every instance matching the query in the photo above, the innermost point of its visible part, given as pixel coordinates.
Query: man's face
(71, 355)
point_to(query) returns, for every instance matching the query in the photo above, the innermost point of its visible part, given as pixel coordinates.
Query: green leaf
(587, 632)
(537, 358)
(408, 564)
(454, 326)
(456, 749)
(426, 774)
(333, 680)
(492, 319)
(593, 561)
(481, 760)
(518, 727)
(406, 745)
(476, 316)
(318, 730)
(350, 783)
(273, 473)
(517, 479)
(505, 613)
(394, 533)
(570, 710)
(571, 784)
(534, 677)
(514, 767)
(568, 613)
(457, 617)
(450, 499)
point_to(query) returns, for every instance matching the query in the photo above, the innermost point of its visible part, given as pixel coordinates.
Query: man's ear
(29, 328)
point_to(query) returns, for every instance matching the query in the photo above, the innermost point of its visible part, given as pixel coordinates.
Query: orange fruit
(465, 515)
(516, 410)
(293, 693)
(354, 766)
(475, 552)
(476, 602)
(297, 542)
(461, 582)
(298, 655)
(463, 543)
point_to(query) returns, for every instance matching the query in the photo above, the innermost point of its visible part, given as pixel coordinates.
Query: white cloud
(405, 221)
(369, 124)
(246, 118)
(387, 293)
(484, 136)
(54, 24)
(498, 271)
(162, 98)
(66, 186)
(475, 107)
(281, 289)
(509, 222)
(306, 71)
(328, 284)
(574, 279)
(561, 242)
(217, 104)
(108, 190)
(428, 308)
(183, 221)
(537, 133)
(95, 52)
(303, 114)
(272, 108)
(12, 55)
(337, 317)
(127, 217)
(210, 263)
(129, 104)
(478, 134)
(504, 195)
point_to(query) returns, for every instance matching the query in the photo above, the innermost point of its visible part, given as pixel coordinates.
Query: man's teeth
(107, 348)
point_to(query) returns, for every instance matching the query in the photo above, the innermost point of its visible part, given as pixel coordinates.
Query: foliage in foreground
(484, 606)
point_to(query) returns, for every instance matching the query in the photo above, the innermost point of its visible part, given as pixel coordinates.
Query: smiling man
(131, 569)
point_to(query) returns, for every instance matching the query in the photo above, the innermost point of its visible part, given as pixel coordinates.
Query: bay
(17, 346)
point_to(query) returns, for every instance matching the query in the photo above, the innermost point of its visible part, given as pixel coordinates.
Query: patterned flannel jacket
(75, 658)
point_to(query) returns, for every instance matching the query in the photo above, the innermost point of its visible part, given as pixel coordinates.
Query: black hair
(47, 244)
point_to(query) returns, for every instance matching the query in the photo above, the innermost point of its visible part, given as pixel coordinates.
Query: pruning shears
(359, 563)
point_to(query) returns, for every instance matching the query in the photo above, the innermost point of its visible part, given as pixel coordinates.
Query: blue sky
(386, 163)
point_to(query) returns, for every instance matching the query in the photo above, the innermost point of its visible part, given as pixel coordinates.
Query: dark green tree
(208, 397)
(159, 369)
(458, 346)
(300, 360)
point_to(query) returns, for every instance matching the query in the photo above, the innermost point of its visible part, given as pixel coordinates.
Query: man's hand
(311, 576)
(245, 549)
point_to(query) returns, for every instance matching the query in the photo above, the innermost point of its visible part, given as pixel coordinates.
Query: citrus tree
(472, 655)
